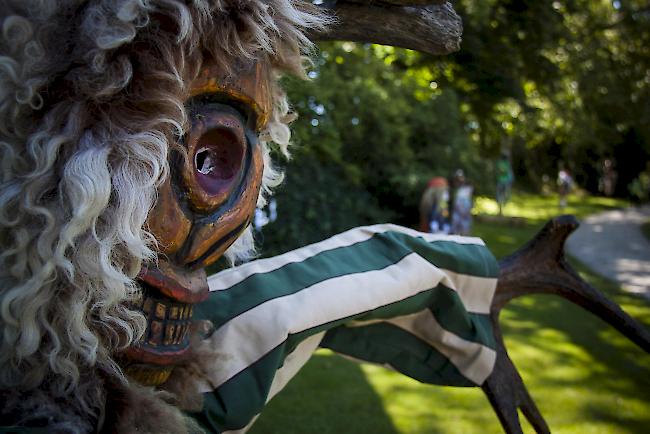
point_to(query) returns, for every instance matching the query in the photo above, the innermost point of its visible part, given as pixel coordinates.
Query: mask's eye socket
(216, 147)
(218, 160)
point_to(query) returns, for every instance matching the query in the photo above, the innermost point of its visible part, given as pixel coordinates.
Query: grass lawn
(584, 376)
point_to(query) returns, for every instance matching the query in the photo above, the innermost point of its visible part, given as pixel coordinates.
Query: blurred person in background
(461, 217)
(564, 184)
(505, 178)
(608, 176)
(434, 206)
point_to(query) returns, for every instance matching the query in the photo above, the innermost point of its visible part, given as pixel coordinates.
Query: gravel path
(612, 245)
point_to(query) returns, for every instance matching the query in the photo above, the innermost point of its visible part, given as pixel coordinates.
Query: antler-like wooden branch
(400, 2)
(540, 267)
(430, 26)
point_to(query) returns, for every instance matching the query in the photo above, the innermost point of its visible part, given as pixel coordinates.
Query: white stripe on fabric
(252, 334)
(473, 360)
(227, 278)
(476, 293)
(292, 364)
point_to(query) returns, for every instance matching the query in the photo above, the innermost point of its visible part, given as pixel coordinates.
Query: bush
(316, 201)
(640, 188)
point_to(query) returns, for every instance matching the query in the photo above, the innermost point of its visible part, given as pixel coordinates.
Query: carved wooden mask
(202, 209)
(212, 192)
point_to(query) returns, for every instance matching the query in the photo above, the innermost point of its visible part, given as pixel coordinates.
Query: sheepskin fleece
(91, 102)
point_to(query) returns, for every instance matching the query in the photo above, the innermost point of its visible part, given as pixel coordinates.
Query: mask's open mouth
(169, 294)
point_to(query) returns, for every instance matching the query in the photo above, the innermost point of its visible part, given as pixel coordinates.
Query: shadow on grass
(548, 324)
(634, 424)
(329, 395)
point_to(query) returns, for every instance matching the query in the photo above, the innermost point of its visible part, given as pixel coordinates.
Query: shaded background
(548, 82)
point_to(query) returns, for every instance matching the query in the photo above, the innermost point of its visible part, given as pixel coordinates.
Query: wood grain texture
(250, 85)
(435, 29)
(399, 2)
(167, 222)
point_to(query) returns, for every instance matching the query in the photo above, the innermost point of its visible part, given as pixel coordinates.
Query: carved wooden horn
(430, 26)
(540, 267)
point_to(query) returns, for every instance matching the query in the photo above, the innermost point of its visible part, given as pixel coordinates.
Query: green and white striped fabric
(416, 303)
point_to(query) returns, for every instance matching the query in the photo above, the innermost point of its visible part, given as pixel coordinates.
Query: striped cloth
(414, 302)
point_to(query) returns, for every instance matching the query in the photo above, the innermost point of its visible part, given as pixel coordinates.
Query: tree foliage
(558, 80)
(547, 81)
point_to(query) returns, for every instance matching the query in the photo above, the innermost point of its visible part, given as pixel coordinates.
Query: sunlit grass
(504, 238)
(536, 207)
(584, 376)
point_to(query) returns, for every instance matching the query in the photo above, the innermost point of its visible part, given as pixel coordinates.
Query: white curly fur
(91, 101)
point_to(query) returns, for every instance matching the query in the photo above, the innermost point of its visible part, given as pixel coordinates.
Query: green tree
(548, 80)
(373, 129)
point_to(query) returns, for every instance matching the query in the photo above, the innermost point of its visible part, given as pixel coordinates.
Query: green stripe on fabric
(237, 401)
(385, 343)
(378, 252)
(240, 398)
(234, 404)
(448, 309)
(470, 259)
